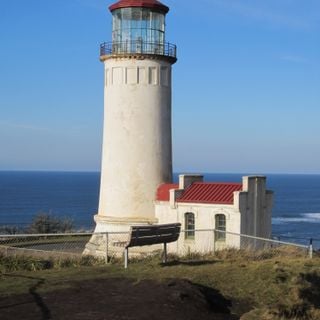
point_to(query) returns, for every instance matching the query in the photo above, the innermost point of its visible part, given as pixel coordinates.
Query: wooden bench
(149, 235)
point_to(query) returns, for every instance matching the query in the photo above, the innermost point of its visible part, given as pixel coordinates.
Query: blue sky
(246, 89)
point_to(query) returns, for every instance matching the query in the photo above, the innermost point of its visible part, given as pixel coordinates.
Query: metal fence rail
(216, 241)
(110, 245)
(139, 47)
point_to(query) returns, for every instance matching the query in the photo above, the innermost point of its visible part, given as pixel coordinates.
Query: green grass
(277, 287)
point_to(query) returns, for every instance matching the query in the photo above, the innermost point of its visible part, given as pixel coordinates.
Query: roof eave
(156, 5)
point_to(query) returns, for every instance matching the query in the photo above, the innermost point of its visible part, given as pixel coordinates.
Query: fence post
(310, 248)
(164, 260)
(126, 257)
(107, 247)
(214, 240)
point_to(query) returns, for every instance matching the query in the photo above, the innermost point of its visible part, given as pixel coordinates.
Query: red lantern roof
(151, 4)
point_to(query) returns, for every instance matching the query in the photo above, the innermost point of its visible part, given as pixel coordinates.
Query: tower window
(220, 224)
(189, 225)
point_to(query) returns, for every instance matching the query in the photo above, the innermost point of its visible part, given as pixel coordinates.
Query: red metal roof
(151, 4)
(163, 191)
(203, 192)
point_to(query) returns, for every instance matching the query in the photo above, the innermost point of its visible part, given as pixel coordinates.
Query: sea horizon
(174, 172)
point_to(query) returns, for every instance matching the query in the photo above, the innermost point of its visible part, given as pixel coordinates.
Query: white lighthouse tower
(137, 149)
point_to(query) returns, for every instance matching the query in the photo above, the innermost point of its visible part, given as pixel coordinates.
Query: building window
(220, 224)
(189, 225)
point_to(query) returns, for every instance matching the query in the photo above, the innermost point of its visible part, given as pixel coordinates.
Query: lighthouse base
(111, 234)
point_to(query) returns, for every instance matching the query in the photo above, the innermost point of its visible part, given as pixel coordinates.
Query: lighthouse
(137, 147)
(136, 175)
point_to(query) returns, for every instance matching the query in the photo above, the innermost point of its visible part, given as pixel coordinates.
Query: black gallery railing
(138, 47)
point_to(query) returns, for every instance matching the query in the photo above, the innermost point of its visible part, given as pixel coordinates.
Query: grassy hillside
(276, 287)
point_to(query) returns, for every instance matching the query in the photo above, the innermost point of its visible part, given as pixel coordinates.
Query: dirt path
(119, 299)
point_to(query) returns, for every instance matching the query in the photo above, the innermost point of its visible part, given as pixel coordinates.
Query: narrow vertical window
(141, 75)
(132, 76)
(189, 225)
(153, 75)
(107, 77)
(117, 76)
(220, 225)
(164, 76)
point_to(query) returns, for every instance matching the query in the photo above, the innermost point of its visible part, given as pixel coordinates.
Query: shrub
(10, 230)
(47, 223)
(18, 263)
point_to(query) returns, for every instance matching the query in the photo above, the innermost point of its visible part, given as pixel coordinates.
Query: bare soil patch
(119, 299)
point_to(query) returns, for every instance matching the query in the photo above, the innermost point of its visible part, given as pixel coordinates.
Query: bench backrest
(153, 234)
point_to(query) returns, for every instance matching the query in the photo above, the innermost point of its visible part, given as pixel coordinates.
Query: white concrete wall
(137, 152)
(204, 219)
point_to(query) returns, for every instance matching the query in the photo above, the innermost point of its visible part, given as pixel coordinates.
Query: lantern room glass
(138, 30)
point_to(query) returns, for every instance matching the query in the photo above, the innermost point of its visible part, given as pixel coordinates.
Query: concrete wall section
(204, 219)
(255, 205)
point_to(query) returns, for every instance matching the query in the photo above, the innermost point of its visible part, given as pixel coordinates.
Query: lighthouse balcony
(138, 47)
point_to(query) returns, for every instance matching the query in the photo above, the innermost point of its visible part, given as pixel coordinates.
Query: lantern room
(138, 27)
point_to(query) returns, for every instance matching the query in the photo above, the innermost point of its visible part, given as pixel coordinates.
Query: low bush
(10, 230)
(47, 223)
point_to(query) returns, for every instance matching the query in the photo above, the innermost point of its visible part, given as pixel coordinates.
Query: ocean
(296, 211)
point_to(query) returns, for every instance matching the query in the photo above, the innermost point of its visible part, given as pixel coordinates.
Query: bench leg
(126, 256)
(164, 253)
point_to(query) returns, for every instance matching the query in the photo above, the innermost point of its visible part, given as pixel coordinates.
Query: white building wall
(204, 241)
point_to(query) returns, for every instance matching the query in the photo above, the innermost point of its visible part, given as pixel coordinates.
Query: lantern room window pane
(145, 19)
(138, 30)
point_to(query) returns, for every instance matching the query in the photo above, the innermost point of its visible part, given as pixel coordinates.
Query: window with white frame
(189, 225)
(220, 225)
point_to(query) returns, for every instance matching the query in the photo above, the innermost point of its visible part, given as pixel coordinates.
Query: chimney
(185, 180)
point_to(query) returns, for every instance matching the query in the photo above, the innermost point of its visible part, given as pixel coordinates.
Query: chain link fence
(192, 244)
(44, 245)
(227, 244)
